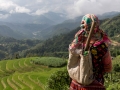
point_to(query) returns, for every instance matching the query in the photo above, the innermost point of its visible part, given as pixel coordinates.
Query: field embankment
(25, 73)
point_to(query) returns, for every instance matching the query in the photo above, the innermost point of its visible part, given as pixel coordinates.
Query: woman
(101, 58)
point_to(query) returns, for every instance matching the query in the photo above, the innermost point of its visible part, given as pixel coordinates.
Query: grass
(16, 64)
(3, 65)
(22, 74)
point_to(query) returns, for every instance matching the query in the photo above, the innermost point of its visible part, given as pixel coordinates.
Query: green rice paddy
(22, 74)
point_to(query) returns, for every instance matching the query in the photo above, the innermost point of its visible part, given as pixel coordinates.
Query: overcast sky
(72, 8)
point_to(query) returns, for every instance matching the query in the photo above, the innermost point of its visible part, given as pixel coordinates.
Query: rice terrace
(28, 73)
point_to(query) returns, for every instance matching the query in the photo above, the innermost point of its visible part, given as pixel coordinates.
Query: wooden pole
(90, 34)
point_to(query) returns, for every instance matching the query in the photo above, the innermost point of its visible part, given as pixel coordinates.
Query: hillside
(8, 32)
(27, 74)
(112, 26)
(57, 45)
(23, 74)
(10, 47)
(28, 26)
(50, 18)
(44, 26)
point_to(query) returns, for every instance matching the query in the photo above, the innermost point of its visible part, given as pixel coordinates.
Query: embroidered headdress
(85, 25)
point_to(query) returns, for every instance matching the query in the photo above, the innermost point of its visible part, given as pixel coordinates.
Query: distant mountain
(71, 24)
(28, 30)
(30, 25)
(46, 25)
(109, 15)
(57, 45)
(56, 17)
(46, 18)
(58, 29)
(8, 32)
(112, 27)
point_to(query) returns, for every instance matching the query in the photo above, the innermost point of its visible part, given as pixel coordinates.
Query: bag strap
(90, 34)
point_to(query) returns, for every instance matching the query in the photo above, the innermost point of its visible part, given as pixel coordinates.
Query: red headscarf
(81, 34)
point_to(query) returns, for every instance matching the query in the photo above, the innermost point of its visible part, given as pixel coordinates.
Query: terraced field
(22, 74)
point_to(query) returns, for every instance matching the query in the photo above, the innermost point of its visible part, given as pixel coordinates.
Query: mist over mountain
(28, 25)
(44, 26)
(71, 24)
(8, 32)
(46, 18)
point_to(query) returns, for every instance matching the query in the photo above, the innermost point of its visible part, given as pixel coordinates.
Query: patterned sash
(97, 55)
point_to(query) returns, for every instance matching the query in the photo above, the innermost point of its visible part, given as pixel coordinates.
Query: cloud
(3, 16)
(40, 12)
(6, 5)
(39, 0)
(74, 8)
(71, 8)
(19, 9)
(11, 7)
(81, 7)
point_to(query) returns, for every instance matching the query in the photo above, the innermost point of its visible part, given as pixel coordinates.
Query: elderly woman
(98, 46)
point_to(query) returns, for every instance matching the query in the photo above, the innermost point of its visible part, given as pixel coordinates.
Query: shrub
(50, 61)
(116, 68)
(114, 86)
(58, 81)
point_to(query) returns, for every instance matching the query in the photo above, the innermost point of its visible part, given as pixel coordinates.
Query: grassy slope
(21, 74)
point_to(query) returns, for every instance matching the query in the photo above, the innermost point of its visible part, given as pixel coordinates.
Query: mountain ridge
(35, 30)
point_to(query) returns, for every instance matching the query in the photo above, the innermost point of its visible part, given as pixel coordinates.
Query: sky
(71, 8)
